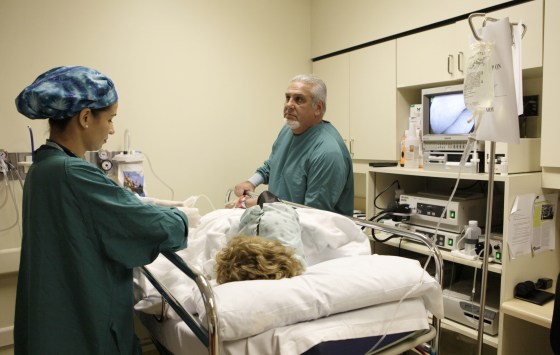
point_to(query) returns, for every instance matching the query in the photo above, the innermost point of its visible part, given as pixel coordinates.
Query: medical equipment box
(461, 303)
(428, 207)
(459, 307)
(443, 239)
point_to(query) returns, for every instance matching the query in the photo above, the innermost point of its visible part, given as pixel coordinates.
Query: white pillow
(327, 235)
(246, 308)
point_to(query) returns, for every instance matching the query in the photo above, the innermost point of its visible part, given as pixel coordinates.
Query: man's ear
(319, 108)
(85, 117)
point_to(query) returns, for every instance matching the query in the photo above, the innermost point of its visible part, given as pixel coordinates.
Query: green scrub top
(313, 169)
(82, 236)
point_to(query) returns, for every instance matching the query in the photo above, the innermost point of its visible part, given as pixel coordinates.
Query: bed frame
(210, 336)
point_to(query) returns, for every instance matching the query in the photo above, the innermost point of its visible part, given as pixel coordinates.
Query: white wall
(201, 84)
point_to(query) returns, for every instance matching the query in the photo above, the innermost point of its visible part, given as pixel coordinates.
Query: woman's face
(100, 127)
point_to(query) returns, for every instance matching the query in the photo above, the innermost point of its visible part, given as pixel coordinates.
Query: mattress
(384, 319)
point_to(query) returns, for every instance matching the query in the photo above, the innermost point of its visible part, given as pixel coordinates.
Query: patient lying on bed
(256, 258)
(336, 252)
(268, 247)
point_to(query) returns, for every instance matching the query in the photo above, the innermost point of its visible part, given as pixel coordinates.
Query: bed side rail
(210, 337)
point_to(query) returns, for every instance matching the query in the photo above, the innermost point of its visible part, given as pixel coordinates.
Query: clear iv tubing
(412, 289)
(466, 152)
(209, 202)
(157, 177)
(473, 291)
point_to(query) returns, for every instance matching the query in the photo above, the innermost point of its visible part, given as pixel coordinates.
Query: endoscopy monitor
(445, 115)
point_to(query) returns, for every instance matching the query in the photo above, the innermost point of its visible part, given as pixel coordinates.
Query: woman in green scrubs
(82, 233)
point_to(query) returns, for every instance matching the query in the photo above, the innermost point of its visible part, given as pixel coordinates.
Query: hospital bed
(348, 301)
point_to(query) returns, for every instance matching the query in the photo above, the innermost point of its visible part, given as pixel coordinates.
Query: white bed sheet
(326, 236)
(387, 318)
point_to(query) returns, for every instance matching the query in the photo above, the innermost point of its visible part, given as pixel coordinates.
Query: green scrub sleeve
(131, 233)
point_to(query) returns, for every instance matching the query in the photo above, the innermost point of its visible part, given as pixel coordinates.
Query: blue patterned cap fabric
(64, 91)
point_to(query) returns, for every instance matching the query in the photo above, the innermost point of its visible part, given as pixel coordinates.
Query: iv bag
(478, 87)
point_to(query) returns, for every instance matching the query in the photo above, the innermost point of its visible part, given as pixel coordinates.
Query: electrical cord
(9, 189)
(382, 192)
(6, 190)
(14, 169)
(386, 239)
(157, 177)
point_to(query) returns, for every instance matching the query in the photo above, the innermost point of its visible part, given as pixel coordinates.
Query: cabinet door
(335, 73)
(530, 14)
(551, 94)
(428, 57)
(373, 102)
(439, 55)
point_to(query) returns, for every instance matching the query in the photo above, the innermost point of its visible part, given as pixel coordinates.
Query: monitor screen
(448, 114)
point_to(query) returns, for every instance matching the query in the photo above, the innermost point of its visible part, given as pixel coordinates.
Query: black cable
(382, 192)
(375, 218)
(383, 240)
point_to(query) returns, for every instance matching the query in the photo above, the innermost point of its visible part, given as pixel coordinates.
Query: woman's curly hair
(255, 258)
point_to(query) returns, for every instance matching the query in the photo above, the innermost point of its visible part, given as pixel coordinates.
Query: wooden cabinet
(508, 273)
(530, 14)
(440, 55)
(428, 57)
(335, 72)
(550, 158)
(361, 99)
(373, 127)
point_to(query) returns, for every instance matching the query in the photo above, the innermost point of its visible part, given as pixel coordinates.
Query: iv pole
(489, 204)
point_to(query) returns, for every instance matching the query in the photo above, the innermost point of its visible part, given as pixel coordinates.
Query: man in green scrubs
(82, 233)
(309, 163)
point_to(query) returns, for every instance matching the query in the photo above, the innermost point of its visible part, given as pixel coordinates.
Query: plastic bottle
(472, 233)
(412, 148)
(503, 166)
(403, 138)
(420, 148)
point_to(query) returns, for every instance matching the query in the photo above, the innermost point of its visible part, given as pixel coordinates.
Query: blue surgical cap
(64, 91)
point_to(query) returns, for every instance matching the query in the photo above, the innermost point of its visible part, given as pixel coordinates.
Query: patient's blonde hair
(255, 258)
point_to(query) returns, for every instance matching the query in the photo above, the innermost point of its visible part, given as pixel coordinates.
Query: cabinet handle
(351, 147)
(459, 61)
(450, 64)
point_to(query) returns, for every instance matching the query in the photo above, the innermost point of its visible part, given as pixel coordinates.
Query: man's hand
(244, 187)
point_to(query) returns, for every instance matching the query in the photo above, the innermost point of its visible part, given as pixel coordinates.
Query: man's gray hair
(318, 88)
